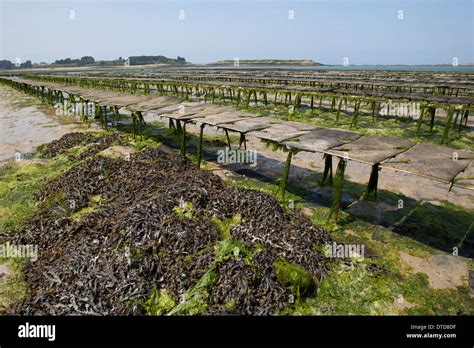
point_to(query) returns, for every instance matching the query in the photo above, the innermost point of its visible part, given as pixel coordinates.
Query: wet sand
(25, 123)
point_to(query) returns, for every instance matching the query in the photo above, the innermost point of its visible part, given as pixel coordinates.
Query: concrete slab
(322, 139)
(185, 112)
(431, 161)
(282, 131)
(226, 117)
(155, 101)
(196, 112)
(466, 177)
(123, 100)
(250, 124)
(371, 150)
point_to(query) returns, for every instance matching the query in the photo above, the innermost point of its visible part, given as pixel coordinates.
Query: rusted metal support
(327, 174)
(337, 193)
(199, 147)
(371, 192)
(286, 173)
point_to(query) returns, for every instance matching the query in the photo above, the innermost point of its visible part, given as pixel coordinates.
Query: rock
(443, 271)
(117, 151)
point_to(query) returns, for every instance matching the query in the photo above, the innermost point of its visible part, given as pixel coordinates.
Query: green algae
(93, 204)
(296, 278)
(228, 248)
(194, 301)
(224, 226)
(19, 180)
(159, 302)
(356, 290)
(12, 286)
(184, 210)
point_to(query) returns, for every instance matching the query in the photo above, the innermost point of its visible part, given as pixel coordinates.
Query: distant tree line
(88, 60)
(6, 64)
(143, 60)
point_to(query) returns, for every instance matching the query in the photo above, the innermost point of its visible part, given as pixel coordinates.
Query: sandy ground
(22, 129)
(4, 271)
(444, 271)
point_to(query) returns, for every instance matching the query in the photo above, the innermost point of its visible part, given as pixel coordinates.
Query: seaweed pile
(161, 237)
(94, 143)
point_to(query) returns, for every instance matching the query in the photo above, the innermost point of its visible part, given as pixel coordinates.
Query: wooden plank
(97, 97)
(168, 108)
(208, 111)
(196, 112)
(466, 177)
(186, 112)
(371, 150)
(153, 103)
(322, 139)
(250, 124)
(282, 130)
(123, 100)
(226, 117)
(431, 161)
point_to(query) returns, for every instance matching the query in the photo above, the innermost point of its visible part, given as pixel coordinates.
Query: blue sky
(364, 31)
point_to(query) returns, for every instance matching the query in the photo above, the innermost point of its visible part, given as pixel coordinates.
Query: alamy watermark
(12, 251)
(237, 156)
(411, 109)
(70, 109)
(28, 330)
(344, 251)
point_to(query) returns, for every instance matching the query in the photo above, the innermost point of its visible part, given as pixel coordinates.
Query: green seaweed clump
(294, 277)
(224, 226)
(184, 210)
(159, 302)
(194, 301)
